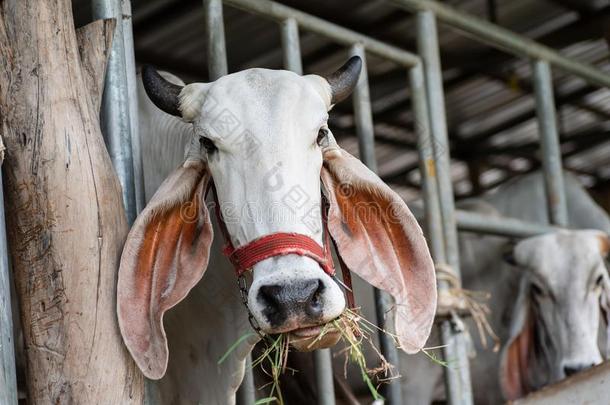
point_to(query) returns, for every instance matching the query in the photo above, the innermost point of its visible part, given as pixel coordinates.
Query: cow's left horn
(162, 93)
(343, 81)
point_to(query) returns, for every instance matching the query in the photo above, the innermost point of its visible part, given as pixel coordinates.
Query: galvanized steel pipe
(427, 165)
(549, 143)
(8, 379)
(115, 114)
(132, 88)
(324, 377)
(457, 378)
(215, 38)
(291, 47)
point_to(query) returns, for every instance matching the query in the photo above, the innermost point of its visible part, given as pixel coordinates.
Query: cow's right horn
(162, 93)
(343, 81)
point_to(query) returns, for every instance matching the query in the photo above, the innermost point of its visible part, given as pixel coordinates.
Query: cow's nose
(299, 298)
(571, 369)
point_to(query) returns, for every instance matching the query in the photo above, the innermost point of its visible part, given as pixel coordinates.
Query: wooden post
(65, 219)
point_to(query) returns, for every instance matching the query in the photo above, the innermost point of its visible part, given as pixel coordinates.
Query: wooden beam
(65, 219)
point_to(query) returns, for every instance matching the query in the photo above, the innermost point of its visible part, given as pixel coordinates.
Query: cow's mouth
(314, 337)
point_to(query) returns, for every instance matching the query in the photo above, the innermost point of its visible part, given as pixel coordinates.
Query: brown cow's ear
(165, 255)
(379, 239)
(517, 354)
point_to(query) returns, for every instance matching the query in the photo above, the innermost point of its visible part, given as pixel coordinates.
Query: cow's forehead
(272, 91)
(561, 257)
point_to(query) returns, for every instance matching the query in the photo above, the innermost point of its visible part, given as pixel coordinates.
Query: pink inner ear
(165, 255)
(515, 363)
(379, 239)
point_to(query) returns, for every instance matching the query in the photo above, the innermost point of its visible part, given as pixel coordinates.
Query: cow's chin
(313, 338)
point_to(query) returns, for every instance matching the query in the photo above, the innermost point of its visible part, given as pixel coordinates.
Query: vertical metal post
(291, 47)
(8, 379)
(115, 117)
(457, 378)
(363, 114)
(215, 37)
(217, 67)
(366, 145)
(130, 68)
(324, 377)
(549, 143)
(291, 50)
(432, 207)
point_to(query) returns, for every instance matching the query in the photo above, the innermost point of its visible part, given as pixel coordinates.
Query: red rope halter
(245, 257)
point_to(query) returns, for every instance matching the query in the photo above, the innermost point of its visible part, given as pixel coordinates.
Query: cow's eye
(537, 290)
(322, 134)
(207, 144)
(598, 281)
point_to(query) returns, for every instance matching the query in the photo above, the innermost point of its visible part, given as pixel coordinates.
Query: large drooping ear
(165, 255)
(379, 239)
(517, 354)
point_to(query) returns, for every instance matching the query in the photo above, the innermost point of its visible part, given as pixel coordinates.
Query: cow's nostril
(575, 368)
(313, 305)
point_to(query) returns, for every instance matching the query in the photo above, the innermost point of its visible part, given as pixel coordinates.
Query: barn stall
(456, 98)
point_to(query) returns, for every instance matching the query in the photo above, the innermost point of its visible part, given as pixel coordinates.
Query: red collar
(245, 257)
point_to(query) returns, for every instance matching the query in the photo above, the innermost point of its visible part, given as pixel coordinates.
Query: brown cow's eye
(322, 134)
(208, 145)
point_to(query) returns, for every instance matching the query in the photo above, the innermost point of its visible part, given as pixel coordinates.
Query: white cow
(545, 303)
(261, 137)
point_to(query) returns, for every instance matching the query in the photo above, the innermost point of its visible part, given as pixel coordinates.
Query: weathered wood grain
(94, 41)
(66, 222)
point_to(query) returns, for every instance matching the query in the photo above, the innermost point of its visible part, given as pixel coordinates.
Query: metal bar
(366, 146)
(132, 88)
(431, 209)
(549, 143)
(324, 375)
(279, 12)
(8, 379)
(457, 378)
(363, 115)
(506, 40)
(291, 47)
(291, 51)
(215, 39)
(115, 121)
(510, 227)
(217, 67)
(468, 221)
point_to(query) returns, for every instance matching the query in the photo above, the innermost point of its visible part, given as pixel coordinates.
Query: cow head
(262, 137)
(554, 325)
